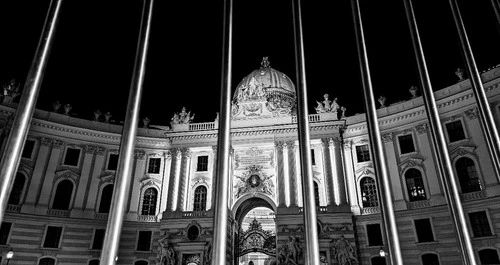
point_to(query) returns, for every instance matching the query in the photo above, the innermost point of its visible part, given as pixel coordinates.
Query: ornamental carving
(291, 252)
(472, 113)
(257, 239)
(325, 142)
(279, 145)
(388, 137)
(182, 117)
(139, 154)
(422, 128)
(89, 149)
(409, 163)
(166, 254)
(253, 181)
(463, 151)
(343, 251)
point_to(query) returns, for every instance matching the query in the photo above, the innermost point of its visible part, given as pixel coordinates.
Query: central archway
(256, 237)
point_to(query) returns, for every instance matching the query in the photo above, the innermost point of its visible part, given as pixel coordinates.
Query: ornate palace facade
(59, 205)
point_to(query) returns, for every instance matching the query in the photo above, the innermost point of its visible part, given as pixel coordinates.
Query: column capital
(325, 142)
(167, 154)
(290, 145)
(214, 149)
(388, 137)
(46, 141)
(279, 145)
(57, 143)
(472, 113)
(139, 154)
(175, 152)
(89, 149)
(422, 128)
(347, 144)
(185, 152)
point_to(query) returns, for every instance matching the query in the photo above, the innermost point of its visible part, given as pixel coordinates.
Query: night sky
(92, 58)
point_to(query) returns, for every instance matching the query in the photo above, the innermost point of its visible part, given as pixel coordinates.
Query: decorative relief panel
(422, 128)
(410, 162)
(244, 158)
(253, 180)
(472, 113)
(462, 151)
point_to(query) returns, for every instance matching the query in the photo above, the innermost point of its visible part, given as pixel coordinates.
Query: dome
(264, 90)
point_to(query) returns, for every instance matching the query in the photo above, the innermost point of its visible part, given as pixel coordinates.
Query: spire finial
(265, 62)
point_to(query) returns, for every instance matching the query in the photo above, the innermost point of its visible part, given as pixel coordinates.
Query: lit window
(362, 153)
(455, 131)
(202, 163)
(368, 192)
(72, 157)
(467, 175)
(415, 185)
(154, 165)
(406, 144)
(200, 199)
(149, 202)
(423, 228)
(52, 237)
(144, 240)
(480, 224)
(62, 197)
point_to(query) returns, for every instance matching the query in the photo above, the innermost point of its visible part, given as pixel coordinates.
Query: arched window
(200, 199)
(430, 259)
(369, 192)
(94, 262)
(316, 193)
(149, 202)
(106, 195)
(489, 257)
(62, 197)
(467, 175)
(378, 261)
(17, 189)
(47, 261)
(141, 262)
(415, 185)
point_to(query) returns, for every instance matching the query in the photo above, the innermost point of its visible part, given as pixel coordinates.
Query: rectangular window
(52, 237)
(313, 159)
(455, 131)
(112, 161)
(423, 228)
(202, 163)
(29, 145)
(154, 165)
(72, 157)
(480, 224)
(144, 241)
(98, 239)
(374, 234)
(362, 153)
(5, 232)
(406, 144)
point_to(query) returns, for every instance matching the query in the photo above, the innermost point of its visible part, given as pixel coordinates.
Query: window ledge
(485, 237)
(426, 243)
(46, 248)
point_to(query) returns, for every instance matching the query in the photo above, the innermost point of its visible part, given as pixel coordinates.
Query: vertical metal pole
(496, 8)
(382, 176)
(438, 140)
(223, 142)
(310, 221)
(127, 144)
(20, 126)
(486, 117)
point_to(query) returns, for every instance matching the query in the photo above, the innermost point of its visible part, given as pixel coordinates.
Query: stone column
(336, 145)
(48, 181)
(94, 182)
(37, 177)
(183, 178)
(392, 165)
(135, 193)
(214, 177)
(172, 185)
(281, 173)
(327, 169)
(84, 177)
(231, 177)
(351, 177)
(292, 174)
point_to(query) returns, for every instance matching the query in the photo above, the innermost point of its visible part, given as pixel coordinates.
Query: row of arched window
(64, 193)
(415, 188)
(52, 261)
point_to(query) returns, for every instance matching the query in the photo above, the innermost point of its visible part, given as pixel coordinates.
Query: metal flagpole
(310, 221)
(127, 144)
(382, 176)
(438, 140)
(496, 8)
(20, 126)
(485, 115)
(223, 143)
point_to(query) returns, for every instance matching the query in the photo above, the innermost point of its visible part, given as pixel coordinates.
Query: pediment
(462, 151)
(67, 174)
(410, 162)
(108, 178)
(365, 171)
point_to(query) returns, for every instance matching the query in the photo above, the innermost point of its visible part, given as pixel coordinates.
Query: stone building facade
(58, 208)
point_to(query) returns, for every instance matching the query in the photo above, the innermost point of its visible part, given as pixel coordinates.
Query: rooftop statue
(10, 91)
(327, 106)
(182, 117)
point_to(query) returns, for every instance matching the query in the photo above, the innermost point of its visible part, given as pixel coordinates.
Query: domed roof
(265, 80)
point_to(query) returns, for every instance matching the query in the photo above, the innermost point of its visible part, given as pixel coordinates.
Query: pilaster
(183, 178)
(292, 173)
(37, 177)
(281, 173)
(328, 171)
(48, 181)
(174, 178)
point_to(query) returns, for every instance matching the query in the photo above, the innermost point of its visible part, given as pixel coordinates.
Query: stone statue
(97, 115)
(460, 74)
(382, 100)
(344, 253)
(265, 62)
(290, 253)
(207, 254)
(67, 109)
(11, 89)
(182, 117)
(413, 90)
(56, 105)
(167, 254)
(327, 106)
(145, 122)
(342, 114)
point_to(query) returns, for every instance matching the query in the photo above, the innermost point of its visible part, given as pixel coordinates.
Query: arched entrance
(256, 237)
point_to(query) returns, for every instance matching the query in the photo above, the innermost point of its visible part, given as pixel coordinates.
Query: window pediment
(462, 151)
(410, 162)
(67, 174)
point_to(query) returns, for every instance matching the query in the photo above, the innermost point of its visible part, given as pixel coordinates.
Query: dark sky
(92, 58)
